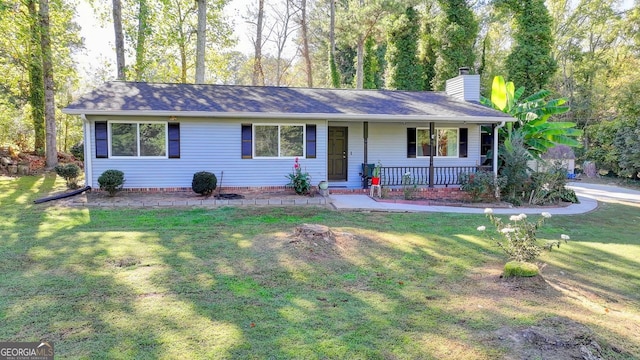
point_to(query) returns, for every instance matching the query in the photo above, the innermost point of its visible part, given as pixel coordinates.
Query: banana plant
(533, 114)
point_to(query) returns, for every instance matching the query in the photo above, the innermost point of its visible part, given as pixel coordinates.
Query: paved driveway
(606, 193)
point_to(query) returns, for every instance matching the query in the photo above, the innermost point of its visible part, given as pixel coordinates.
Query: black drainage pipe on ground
(62, 196)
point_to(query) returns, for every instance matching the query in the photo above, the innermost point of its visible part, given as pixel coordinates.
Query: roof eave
(299, 116)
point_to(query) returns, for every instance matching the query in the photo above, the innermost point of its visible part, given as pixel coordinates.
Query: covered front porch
(423, 153)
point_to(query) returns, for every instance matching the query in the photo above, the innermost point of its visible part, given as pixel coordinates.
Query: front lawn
(236, 283)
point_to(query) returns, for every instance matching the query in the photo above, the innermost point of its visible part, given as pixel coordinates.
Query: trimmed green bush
(204, 183)
(70, 173)
(77, 151)
(111, 181)
(520, 269)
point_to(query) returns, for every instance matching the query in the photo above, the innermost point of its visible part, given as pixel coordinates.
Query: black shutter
(246, 146)
(174, 140)
(102, 140)
(411, 142)
(311, 141)
(463, 151)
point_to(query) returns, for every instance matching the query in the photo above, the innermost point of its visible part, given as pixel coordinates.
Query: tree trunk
(36, 85)
(332, 28)
(200, 46)
(183, 64)
(143, 17)
(182, 42)
(49, 100)
(117, 26)
(258, 74)
(282, 30)
(305, 42)
(360, 65)
(335, 81)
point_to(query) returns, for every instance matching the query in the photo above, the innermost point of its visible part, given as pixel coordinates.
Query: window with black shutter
(311, 141)
(174, 140)
(246, 146)
(449, 142)
(411, 142)
(102, 140)
(463, 144)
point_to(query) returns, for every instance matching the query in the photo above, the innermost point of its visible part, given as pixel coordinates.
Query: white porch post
(496, 136)
(432, 150)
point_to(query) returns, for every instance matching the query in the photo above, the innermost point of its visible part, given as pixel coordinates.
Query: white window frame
(436, 141)
(279, 125)
(138, 156)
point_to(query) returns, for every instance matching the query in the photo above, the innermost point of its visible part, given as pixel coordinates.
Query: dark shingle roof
(225, 100)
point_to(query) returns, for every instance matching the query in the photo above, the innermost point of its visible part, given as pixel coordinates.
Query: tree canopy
(585, 54)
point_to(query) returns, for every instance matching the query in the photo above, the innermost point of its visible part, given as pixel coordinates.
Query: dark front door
(337, 155)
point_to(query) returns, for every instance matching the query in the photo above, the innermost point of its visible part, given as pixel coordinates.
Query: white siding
(464, 87)
(388, 144)
(213, 146)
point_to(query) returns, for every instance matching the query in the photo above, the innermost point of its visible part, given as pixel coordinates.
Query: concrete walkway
(363, 202)
(588, 194)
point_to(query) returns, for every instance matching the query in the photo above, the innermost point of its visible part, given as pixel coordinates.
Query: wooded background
(587, 51)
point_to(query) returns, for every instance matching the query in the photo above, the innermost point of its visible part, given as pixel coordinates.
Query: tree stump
(314, 232)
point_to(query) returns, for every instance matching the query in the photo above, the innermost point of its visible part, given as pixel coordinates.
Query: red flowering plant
(300, 181)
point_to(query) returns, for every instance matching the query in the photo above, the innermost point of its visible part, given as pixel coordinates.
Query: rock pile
(10, 163)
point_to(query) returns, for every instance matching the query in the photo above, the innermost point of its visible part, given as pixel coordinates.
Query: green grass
(230, 283)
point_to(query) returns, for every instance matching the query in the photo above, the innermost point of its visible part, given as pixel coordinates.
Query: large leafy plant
(533, 114)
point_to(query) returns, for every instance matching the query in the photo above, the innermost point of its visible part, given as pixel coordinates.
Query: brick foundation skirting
(436, 193)
(227, 189)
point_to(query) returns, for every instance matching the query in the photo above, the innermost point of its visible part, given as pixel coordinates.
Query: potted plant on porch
(375, 175)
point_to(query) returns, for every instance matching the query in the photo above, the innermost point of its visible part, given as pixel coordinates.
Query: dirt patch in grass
(554, 338)
(568, 332)
(535, 284)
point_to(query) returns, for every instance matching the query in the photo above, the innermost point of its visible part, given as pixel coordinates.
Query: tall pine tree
(457, 33)
(404, 71)
(427, 47)
(530, 63)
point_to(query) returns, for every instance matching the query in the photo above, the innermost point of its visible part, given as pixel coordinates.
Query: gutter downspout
(495, 157)
(88, 178)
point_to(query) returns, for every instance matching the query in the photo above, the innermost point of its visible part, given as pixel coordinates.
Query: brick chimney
(464, 87)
